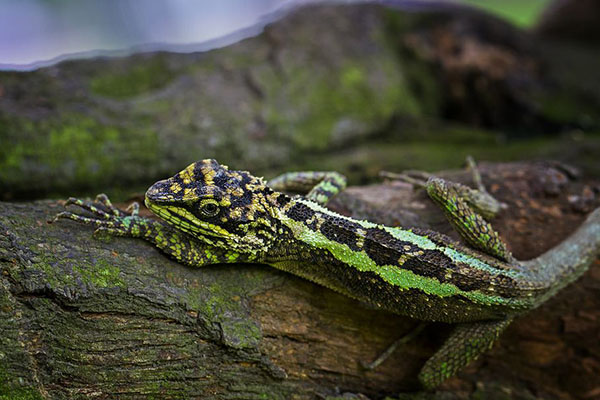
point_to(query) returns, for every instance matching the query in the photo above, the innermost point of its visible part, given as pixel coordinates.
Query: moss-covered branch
(88, 318)
(319, 79)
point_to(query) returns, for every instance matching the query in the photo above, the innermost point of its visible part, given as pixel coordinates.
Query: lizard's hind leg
(465, 344)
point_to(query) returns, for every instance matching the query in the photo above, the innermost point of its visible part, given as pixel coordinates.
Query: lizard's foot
(420, 178)
(104, 216)
(416, 178)
(479, 198)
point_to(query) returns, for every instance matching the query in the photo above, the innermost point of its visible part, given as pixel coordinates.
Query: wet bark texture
(88, 318)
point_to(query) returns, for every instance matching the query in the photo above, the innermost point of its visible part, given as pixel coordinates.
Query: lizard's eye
(209, 208)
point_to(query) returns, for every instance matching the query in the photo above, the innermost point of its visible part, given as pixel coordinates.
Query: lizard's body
(213, 215)
(396, 269)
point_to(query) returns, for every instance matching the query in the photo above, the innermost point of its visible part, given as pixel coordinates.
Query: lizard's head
(228, 209)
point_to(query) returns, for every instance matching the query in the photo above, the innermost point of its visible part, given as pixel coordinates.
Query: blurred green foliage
(522, 13)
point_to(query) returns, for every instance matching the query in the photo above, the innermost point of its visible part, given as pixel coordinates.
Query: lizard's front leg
(478, 199)
(319, 186)
(466, 209)
(110, 220)
(471, 226)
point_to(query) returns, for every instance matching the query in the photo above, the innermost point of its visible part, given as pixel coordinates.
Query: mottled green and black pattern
(213, 215)
(471, 226)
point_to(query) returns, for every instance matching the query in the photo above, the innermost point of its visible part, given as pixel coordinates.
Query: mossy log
(88, 318)
(317, 79)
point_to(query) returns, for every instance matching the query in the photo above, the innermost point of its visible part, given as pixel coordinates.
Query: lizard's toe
(88, 206)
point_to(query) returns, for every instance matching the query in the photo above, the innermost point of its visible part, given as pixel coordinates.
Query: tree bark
(88, 318)
(319, 79)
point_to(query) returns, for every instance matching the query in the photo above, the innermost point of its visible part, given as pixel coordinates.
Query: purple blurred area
(36, 33)
(33, 31)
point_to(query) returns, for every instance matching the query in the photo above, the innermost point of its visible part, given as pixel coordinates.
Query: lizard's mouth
(184, 219)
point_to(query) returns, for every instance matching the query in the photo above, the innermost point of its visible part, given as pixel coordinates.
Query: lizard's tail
(566, 262)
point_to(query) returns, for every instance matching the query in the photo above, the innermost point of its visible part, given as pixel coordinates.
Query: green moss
(76, 142)
(100, 275)
(327, 109)
(352, 76)
(52, 275)
(14, 151)
(147, 75)
(11, 390)
(76, 152)
(221, 305)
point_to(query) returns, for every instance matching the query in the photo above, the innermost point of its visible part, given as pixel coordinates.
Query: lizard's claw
(105, 201)
(89, 206)
(104, 216)
(133, 209)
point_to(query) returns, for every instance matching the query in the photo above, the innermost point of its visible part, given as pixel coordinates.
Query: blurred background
(40, 32)
(111, 96)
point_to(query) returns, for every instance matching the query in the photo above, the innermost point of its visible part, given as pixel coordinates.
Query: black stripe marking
(340, 230)
(370, 287)
(301, 212)
(283, 199)
(384, 249)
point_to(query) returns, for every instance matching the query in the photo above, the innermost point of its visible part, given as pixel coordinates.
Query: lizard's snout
(159, 192)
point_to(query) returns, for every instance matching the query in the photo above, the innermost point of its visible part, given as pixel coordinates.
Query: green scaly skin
(212, 215)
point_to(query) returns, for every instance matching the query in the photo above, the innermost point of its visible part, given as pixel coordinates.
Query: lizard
(210, 214)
